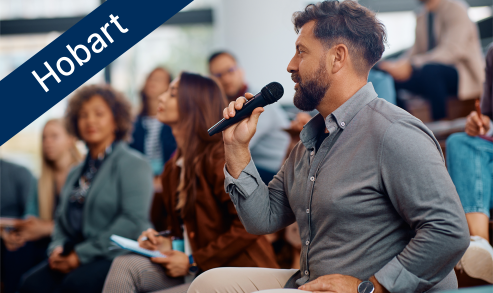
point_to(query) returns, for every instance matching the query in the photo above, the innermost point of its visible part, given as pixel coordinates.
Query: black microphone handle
(245, 112)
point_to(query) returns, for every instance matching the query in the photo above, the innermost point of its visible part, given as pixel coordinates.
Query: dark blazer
(168, 143)
(117, 202)
(217, 237)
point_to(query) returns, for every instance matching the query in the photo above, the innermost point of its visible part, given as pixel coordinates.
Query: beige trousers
(242, 280)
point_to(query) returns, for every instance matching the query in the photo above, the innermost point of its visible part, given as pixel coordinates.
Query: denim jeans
(470, 164)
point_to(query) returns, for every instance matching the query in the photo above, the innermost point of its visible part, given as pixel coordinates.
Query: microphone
(269, 94)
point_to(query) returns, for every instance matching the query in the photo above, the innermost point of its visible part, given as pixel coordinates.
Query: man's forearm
(237, 158)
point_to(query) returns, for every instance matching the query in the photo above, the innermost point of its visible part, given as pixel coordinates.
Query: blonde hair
(46, 183)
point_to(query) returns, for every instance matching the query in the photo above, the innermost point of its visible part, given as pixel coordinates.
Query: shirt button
(307, 211)
(306, 273)
(312, 153)
(307, 242)
(312, 178)
(192, 235)
(343, 124)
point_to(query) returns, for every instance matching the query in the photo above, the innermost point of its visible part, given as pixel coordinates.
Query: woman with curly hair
(193, 205)
(109, 193)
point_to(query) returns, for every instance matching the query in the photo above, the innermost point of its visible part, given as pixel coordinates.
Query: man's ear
(339, 57)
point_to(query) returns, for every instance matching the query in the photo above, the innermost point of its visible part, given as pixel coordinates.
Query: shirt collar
(340, 118)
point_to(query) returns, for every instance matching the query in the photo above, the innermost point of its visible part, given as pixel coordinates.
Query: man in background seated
(470, 164)
(446, 59)
(269, 145)
(17, 184)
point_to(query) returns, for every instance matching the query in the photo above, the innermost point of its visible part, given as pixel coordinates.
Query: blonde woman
(28, 247)
(59, 155)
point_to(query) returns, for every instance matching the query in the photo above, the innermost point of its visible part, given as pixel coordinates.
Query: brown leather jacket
(217, 237)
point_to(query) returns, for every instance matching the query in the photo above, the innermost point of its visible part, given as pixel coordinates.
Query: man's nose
(293, 65)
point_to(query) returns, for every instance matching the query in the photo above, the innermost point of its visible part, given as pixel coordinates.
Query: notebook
(133, 245)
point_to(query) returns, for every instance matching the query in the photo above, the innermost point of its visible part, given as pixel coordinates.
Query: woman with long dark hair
(193, 205)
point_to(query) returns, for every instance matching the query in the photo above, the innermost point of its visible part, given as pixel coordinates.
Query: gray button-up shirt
(375, 199)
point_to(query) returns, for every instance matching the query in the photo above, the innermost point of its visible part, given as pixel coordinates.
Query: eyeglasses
(229, 71)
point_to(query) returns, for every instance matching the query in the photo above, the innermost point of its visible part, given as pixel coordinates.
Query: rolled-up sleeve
(261, 209)
(414, 176)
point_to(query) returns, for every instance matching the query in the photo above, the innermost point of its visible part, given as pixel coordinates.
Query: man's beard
(311, 90)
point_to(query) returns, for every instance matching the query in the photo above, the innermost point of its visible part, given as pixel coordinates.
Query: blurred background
(258, 32)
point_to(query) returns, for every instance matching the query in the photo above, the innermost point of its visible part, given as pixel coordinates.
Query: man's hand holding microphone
(240, 123)
(237, 137)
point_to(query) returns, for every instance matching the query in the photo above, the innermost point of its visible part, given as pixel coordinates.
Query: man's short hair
(348, 23)
(219, 53)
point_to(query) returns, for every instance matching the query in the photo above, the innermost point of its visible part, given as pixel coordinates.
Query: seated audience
(193, 205)
(151, 137)
(470, 164)
(109, 193)
(269, 145)
(445, 60)
(17, 185)
(59, 154)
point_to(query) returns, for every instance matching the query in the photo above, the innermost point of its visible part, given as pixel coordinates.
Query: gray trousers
(132, 273)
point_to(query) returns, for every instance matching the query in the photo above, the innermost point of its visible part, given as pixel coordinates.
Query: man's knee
(209, 280)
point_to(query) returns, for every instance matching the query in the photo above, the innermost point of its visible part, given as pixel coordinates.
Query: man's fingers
(253, 120)
(248, 96)
(240, 102)
(315, 285)
(231, 109)
(226, 113)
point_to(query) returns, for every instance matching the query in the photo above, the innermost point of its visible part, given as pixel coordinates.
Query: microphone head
(272, 92)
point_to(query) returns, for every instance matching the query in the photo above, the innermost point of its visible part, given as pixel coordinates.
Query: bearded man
(367, 184)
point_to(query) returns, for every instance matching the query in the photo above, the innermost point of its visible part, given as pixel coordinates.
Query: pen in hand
(162, 233)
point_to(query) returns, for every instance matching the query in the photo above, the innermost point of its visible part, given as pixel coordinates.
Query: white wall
(261, 35)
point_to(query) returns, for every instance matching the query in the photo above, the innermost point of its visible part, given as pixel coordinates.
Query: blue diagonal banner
(77, 55)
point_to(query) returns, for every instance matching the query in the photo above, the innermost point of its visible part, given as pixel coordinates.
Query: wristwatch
(366, 287)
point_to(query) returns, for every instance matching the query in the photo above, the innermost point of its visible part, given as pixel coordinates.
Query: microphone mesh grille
(275, 92)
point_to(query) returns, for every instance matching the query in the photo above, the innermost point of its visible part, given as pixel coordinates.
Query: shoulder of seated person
(15, 169)
(392, 118)
(127, 155)
(456, 5)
